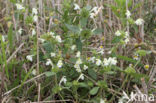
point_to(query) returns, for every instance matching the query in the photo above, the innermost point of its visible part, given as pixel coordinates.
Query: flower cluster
(52, 54)
(106, 62)
(117, 33)
(110, 61)
(77, 65)
(34, 13)
(57, 37)
(139, 21)
(125, 37)
(19, 6)
(98, 62)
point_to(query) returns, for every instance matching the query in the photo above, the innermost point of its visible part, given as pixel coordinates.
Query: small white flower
(81, 77)
(49, 62)
(121, 100)
(52, 54)
(76, 7)
(60, 63)
(136, 57)
(106, 62)
(78, 54)
(29, 57)
(126, 34)
(98, 62)
(117, 33)
(109, 52)
(34, 72)
(19, 6)
(85, 67)
(3, 38)
(20, 31)
(34, 11)
(73, 47)
(92, 15)
(112, 61)
(78, 70)
(139, 21)
(58, 38)
(94, 12)
(33, 32)
(63, 80)
(95, 9)
(41, 40)
(128, 14)
(126, 40)
(101, 52)
(52, 34)
(76, 66)
(79, 61)
(92, 59)
(126, 37)
(35, 18)
(130, 65)
(102, 101)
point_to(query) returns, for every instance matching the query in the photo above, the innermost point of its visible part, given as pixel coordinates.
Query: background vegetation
(76, 51)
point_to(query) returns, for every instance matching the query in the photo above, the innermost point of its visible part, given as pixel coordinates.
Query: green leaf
(97, 31)
(111, 73)
(13, 1)
(92, 73)
(102, 84)
(29, 20)
(48, 74)
(73, 28)
(116, 39)
(94, 90)
(86, 33)
(10, 37)
(83, 22)
(141, 52)
(88, 7)
(79, 44)
(139, 76)
(130, 70)
(26, 77)
(83, 85)
(48, 47)
(84, 13)
(128, 59)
